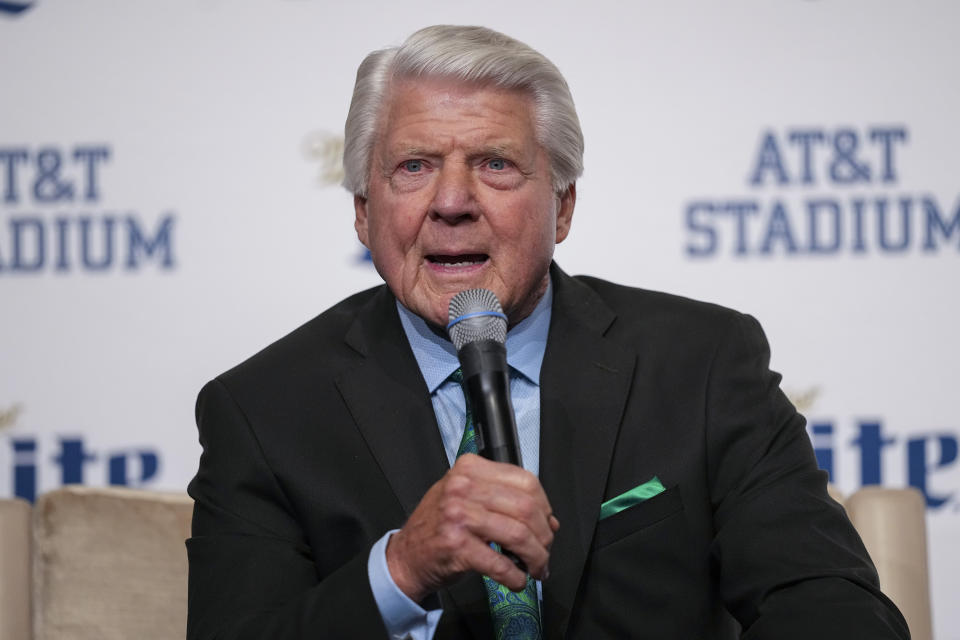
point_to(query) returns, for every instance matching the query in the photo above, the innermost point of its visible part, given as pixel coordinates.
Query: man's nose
(455, 192)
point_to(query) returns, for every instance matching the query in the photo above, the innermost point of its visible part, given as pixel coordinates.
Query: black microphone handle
(487, 379)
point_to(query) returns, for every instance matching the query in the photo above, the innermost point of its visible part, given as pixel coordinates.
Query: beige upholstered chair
(14, 569)
(893, 527)
(111, 563)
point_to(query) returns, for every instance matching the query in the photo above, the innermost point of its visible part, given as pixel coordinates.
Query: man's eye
(497, 164)
(413, 166)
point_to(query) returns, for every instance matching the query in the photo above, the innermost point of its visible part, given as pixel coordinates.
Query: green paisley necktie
(516, 616)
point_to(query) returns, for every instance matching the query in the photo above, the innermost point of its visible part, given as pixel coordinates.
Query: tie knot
(457, 376)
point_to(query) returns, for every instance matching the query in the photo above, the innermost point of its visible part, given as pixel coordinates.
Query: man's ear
(360, 222)
(568, 199)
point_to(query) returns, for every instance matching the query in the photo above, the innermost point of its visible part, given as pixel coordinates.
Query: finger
(502, 514)
(502, 473)
(464, 509)
(506, 489)
(461, 516)
(464, 540)
(519, 506)
(487, 561)
(510, 534)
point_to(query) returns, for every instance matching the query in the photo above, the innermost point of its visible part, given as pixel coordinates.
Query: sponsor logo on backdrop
(326, 151)
(50, 221)
(71, 461)
(8, 416)
(819, 192)
(14, 8)
(926, 456)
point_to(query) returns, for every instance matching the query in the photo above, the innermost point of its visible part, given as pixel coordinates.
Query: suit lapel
(391, 405)
(389, 401)
(584, 385)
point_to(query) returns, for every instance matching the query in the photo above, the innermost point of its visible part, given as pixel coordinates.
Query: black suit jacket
(316, 446)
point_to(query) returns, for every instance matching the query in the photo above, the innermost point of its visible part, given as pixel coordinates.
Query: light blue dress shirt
(437, 359)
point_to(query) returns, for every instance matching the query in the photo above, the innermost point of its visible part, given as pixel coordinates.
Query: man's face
(460, 197)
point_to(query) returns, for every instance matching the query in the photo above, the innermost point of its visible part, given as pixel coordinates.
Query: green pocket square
(636, 495)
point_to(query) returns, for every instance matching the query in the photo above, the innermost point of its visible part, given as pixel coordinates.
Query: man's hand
(476, 502)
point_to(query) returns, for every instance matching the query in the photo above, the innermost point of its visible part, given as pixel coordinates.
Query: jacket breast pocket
(639, 516)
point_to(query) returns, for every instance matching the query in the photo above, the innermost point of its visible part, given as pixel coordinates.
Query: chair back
(892, 524)
(110, 564)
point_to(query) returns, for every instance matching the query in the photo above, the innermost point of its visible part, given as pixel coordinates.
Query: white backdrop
(168, 207)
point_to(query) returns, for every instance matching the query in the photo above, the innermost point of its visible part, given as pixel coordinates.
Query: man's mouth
(460, 260)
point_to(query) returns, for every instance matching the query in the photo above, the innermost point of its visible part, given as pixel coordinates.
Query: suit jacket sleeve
(790, 563)
(252, 574)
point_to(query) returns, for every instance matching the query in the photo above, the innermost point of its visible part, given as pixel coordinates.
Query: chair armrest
(892, 524)
(15, 584)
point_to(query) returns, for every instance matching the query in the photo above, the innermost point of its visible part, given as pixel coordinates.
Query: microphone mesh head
(481, 327)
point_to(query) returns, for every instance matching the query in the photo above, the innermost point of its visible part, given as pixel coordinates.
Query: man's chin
(435, 313)
(435, 308)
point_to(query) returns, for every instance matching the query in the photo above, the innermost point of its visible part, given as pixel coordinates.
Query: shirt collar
(437, 357)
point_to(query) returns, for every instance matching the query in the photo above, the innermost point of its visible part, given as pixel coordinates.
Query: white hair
(474, 55)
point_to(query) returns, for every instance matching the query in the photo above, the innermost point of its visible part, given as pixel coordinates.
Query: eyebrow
(411, 150)
(507, 150)
(414, 151)
(496, 150)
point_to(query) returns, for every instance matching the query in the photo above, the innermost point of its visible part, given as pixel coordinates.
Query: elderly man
(669, 489)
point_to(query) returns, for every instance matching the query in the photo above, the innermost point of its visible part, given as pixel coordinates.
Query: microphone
(478, 329)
